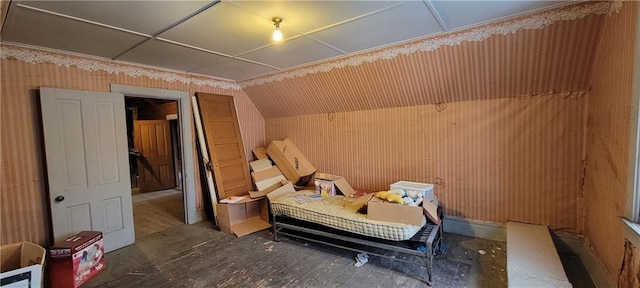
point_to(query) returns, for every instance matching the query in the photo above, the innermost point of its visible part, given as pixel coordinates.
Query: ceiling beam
(193, 14)
(82, 20)
(436, 15)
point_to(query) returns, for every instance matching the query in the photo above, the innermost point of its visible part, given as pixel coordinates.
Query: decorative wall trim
(63, 59)
(494, 231)
(535, 21)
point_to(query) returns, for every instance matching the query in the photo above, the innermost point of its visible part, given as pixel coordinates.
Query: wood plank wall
(23, 199)
(514, 159)
(607, 138)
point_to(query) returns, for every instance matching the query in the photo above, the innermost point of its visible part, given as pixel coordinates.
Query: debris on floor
(361, 259)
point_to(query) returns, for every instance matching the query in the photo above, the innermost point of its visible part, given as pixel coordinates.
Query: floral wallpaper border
(87, 63)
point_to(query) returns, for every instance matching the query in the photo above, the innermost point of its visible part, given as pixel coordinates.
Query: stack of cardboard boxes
(292, 168)
(250, 213)
(265, 176)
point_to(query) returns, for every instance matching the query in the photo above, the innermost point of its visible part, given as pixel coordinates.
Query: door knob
(59, 198)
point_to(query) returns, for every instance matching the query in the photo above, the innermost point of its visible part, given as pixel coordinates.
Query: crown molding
(37, 55)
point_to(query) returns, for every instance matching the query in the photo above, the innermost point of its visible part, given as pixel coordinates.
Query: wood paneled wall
(607, 138)
(23, 197)
(495, 160)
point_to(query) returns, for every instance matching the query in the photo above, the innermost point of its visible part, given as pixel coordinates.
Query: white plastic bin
(425, 189)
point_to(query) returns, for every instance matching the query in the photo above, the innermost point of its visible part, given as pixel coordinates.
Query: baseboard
(498, 232)
(595, 268)
(198, 217)
(475, 228)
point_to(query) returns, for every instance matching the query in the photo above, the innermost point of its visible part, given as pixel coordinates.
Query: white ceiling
(232, 39)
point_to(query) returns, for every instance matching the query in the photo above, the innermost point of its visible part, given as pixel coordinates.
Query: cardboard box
(285, 189)
(77, 259)
(269, 183)
(259, 165)
(325, 187)
(267, 178)
(21, 264)
(332, 184)
(243, 217)
(260, 153)
(393, 212)
(293, 164)
(265, 174)
(262, 193)
(382, 210)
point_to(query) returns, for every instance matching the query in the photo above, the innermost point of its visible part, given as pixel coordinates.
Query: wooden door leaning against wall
(224, 144)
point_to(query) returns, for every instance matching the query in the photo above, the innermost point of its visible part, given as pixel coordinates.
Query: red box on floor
(77, 259)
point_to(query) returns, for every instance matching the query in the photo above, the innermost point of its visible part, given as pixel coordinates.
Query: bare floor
(201, 256)
(157, 211)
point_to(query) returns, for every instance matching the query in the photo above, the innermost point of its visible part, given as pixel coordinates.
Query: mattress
(335, 212)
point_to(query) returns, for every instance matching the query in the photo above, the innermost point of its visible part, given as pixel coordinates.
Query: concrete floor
(201, 256)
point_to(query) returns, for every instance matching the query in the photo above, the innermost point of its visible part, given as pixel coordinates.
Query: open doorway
(155, 161)
(184, 121)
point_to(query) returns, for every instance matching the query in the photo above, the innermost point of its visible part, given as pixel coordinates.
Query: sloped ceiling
(507, 59)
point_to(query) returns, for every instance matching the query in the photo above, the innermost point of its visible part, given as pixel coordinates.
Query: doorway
(183, 140)
(155, 163)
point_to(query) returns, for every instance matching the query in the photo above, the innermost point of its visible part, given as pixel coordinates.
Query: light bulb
(277, 34)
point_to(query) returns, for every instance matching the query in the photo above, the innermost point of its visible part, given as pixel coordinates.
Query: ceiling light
(277, 34)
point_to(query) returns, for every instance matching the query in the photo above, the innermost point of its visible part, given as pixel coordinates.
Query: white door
(87, 164)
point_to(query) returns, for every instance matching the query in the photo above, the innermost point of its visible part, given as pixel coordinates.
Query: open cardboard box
(258, 194)
(243, 217)
(260, 153)
(285, 189)
(382, 210)
(21, 264)
(332, 184)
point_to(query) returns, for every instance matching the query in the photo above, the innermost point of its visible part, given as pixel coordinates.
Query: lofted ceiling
(232, 39)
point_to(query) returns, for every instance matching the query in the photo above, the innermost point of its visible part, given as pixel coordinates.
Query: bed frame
(430, 237)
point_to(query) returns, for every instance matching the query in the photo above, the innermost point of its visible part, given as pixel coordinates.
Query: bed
(335, 222)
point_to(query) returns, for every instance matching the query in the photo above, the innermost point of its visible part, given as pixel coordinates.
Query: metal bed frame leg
(429, 263)
(275, 228)
(431, 250)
